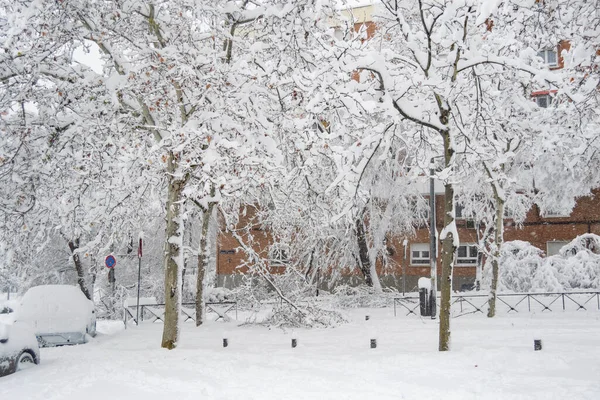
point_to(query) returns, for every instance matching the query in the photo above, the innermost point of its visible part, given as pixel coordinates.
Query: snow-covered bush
(519, 263)
(345, 296)
(307, 316)
(218, 294)
(523, 268)
(577, 266)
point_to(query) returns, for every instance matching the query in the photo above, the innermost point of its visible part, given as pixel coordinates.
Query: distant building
(409, 255)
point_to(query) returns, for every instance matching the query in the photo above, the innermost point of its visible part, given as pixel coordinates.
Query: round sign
(110, 261)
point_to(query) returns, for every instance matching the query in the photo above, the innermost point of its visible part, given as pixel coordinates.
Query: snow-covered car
(18, 348)
(58, 314)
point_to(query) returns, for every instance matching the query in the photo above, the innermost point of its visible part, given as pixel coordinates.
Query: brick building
(409, 255)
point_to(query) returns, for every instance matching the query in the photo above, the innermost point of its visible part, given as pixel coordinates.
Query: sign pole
(137, 311)
(432, 241)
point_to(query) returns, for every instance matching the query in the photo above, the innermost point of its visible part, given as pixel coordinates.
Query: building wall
(399, 273)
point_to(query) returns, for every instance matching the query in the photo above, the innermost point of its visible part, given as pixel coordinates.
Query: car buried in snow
(18, 348)
(59, 315)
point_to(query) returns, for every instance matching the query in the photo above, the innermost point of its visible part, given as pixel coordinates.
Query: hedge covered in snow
(523, 267)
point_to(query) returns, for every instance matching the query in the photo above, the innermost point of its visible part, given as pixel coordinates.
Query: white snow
(55, 309)
(491, 359)
(19, 336)
(424, 283)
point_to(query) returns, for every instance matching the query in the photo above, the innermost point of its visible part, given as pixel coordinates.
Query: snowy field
(490, 359)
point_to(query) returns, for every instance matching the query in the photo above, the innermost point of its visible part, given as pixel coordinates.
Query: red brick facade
(402, 272)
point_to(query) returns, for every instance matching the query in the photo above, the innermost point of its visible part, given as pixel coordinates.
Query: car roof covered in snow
(55, 309)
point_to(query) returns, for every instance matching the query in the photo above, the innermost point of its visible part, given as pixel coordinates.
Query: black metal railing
(155, 312)
(509, 302)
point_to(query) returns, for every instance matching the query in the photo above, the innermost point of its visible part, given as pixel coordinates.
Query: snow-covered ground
(490, 359)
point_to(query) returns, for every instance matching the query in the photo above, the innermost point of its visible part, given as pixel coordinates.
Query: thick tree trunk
(363, 252)
(498, 239)
(448, 250)
(202, 262)
(173, 258)
(73, 246)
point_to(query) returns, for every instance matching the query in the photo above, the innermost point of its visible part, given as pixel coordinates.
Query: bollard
(294, 343)
(373, 343)
(225, 342)
(537, 344)
(367, 317)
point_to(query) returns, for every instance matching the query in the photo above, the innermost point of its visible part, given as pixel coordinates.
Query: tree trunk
(363, 252)
(73, 246)
(448, 250)
(173, 259)
(498, 239)
(202, 262)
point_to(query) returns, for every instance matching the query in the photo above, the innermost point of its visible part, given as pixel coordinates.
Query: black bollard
(373, 343)
(367, 317)
(225, 342)
(294, 343)
(537, 344)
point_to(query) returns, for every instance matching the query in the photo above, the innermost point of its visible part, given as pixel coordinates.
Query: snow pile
(311, 316)
(19, 337)
(3, 332)
(577, 266)
(56, 309)
(524, 269)
(345, 296)
(424, 283)
(219, 294)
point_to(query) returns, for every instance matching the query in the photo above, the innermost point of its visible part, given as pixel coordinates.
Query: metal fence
(508, 302)
(156, 312)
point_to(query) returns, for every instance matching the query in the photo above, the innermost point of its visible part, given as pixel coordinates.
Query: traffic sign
(110, 261)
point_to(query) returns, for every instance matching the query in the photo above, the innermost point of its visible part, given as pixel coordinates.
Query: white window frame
(562, 242)
(472, 259)
(548, 98)
(278, 255)
(543, 54)
(420, 260)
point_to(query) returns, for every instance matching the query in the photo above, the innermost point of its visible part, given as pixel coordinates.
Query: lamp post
(432, 240)
(137, 308)
(404, 265)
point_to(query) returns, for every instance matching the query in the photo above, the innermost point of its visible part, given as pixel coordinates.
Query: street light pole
(404, 267)
(137, 309)
(432, 241)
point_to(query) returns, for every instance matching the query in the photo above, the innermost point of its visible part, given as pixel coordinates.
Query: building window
(555, 214)
(419, 254)
(470, 223)
(543, 100)
(459, 211)
(278, 256)
(467, 255)
(553, 248)
(549, 56)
